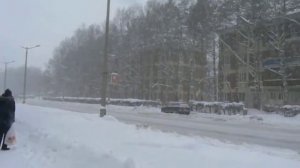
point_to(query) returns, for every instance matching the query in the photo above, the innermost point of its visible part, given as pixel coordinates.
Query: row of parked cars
(205, 107)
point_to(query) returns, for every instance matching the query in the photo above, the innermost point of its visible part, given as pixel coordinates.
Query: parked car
(176, 107)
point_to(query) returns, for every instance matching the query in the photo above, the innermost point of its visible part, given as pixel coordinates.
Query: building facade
(260, 64)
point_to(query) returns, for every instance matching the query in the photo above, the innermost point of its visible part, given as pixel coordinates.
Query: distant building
(255, 62)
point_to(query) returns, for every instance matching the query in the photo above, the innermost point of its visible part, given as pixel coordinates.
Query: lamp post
(104, 65)
(25, 71)
(5, 73)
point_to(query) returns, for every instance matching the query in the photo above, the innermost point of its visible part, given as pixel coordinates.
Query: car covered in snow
(176, 107)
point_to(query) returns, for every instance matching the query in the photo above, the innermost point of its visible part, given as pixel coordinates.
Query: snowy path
(236, 129)
(38, 147)
(52, 138)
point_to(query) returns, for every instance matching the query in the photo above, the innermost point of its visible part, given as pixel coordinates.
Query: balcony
(274, 62)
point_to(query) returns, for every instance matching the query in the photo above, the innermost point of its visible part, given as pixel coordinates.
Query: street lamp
(5, 73)
(104, 65)
(25, 70)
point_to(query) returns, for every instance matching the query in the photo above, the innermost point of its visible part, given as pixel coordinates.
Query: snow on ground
(253, 116)
(52, 138)
(275, 119)
(235, 129)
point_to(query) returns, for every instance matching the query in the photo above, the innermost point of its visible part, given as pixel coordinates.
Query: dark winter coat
(7, 111)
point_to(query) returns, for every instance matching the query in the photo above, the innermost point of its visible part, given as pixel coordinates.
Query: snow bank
(122, 102)
(219, 107)
(286, 110)
(59, 139)
(200, 106)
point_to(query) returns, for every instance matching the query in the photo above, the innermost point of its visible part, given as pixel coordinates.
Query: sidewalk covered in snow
(52, 138)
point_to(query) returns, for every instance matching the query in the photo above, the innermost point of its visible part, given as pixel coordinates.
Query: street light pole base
(102, 112)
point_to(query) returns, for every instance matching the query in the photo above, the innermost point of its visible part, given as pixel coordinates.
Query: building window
(243, 77)
(227, 59)
(280, 96)
(276, 96)
(273, 95)
(242, 97)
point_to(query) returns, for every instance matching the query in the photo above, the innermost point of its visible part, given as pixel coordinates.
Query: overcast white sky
(46, 22)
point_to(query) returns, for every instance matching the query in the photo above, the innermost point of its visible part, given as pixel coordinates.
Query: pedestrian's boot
(4, 147)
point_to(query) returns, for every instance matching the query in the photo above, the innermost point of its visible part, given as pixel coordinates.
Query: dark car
(176, 107)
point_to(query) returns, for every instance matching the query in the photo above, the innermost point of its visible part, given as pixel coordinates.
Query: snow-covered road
(53, 138)
(273, 131)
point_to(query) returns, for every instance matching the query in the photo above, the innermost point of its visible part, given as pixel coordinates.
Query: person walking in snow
(7, 116)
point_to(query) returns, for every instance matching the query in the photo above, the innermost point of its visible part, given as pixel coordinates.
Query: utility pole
(25, 71)
(5, 73)
(215, 70)
(283, 58)
(104, 65)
